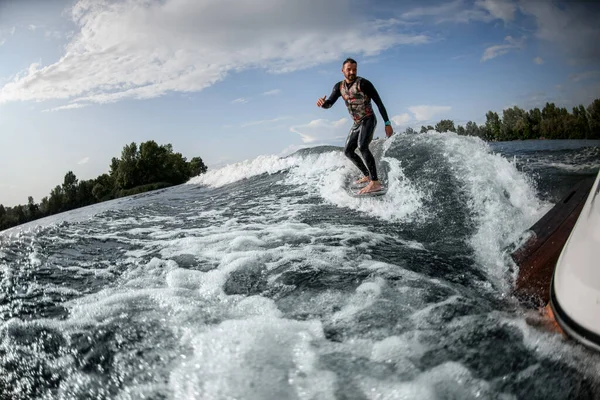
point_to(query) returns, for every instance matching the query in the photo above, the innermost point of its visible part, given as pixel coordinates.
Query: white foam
(447, 380)
(268, 164)
(255, 358)
(588, 166)
(325, 175)
(501, 198)
(366, 295)
(7, 276)
(398, 350)
(184, 278)
(553, 346)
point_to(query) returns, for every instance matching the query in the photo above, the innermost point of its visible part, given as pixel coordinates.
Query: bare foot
(373, 186)
(364, 179)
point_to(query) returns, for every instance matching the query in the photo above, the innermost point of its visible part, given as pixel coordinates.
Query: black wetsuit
(358, 96)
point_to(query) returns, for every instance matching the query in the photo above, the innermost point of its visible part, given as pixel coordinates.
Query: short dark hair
(349, 60)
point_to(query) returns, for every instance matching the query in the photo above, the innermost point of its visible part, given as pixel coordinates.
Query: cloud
(83, 161)
(572, 26)
(67, 107)
(538, 60)
(54, 34)
(141, 49)
(587, 75)
(401, 119)
(460, 11)
(264, 122)
(499, 9)
(501, 49)
(5, 33)
(272, 92)
(240, 100)
(426, 113)
(322, 130)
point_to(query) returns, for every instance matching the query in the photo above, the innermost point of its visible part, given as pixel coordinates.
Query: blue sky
(229, 80)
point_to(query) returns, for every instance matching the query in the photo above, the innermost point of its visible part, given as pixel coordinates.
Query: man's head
(349, 69)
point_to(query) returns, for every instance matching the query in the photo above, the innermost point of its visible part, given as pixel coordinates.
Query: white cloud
(32, 27)
(587, 75)
(264, 122)
(272, 92)
(67, 107)
(4, 33)
(460, 11)
(426, 113)
(499, 9)
(83, 161)
(240, 100)
(572, 26)
(538, 60)
(322, 130)
(454, 11)
(501, 49)
(142, 49)
(401, 119)
(54, 34)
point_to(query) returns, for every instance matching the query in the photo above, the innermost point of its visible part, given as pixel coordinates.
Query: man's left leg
(350, 152)
(364, 139)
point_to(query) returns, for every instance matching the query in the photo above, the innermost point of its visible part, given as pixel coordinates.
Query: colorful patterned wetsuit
(357, 96)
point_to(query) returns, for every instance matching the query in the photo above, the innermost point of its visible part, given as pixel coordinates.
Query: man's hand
(389, 130)
(321, 101)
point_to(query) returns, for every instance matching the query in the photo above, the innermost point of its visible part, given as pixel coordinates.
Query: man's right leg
(350, 151)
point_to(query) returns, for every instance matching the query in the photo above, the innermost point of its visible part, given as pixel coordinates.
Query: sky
(229, 80)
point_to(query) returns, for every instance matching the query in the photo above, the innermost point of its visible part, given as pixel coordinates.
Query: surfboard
(354, 193)
(351, 184)
(353, 188)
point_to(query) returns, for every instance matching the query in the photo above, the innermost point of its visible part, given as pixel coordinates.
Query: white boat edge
(575, 287)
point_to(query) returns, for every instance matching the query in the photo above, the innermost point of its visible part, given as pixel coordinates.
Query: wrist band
(388, 123)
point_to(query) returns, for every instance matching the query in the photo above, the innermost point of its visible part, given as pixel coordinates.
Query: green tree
(103, 187)
(493, 126)
(594, 119)
(84, 196)
(514, 123)
(99, 192)
(44, 206)
(197, 166)
(32, 209)
(69, 189)
(20, 213)
(178, 169)
(534, 119)
(582, 124)
(127, 173)
(55, 202)
(152, 162)
(445, 125)
(471, 129)
(2, 217)
(549, 127)
(461, 130)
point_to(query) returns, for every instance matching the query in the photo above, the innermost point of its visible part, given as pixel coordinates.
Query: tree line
(551, 122)
(139, 169)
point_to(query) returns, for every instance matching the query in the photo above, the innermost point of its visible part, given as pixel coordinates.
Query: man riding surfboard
(357, 93)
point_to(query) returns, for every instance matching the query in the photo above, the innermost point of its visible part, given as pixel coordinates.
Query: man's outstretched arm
(335, 94)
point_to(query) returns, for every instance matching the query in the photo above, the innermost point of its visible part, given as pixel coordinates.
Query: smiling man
(358, 92)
